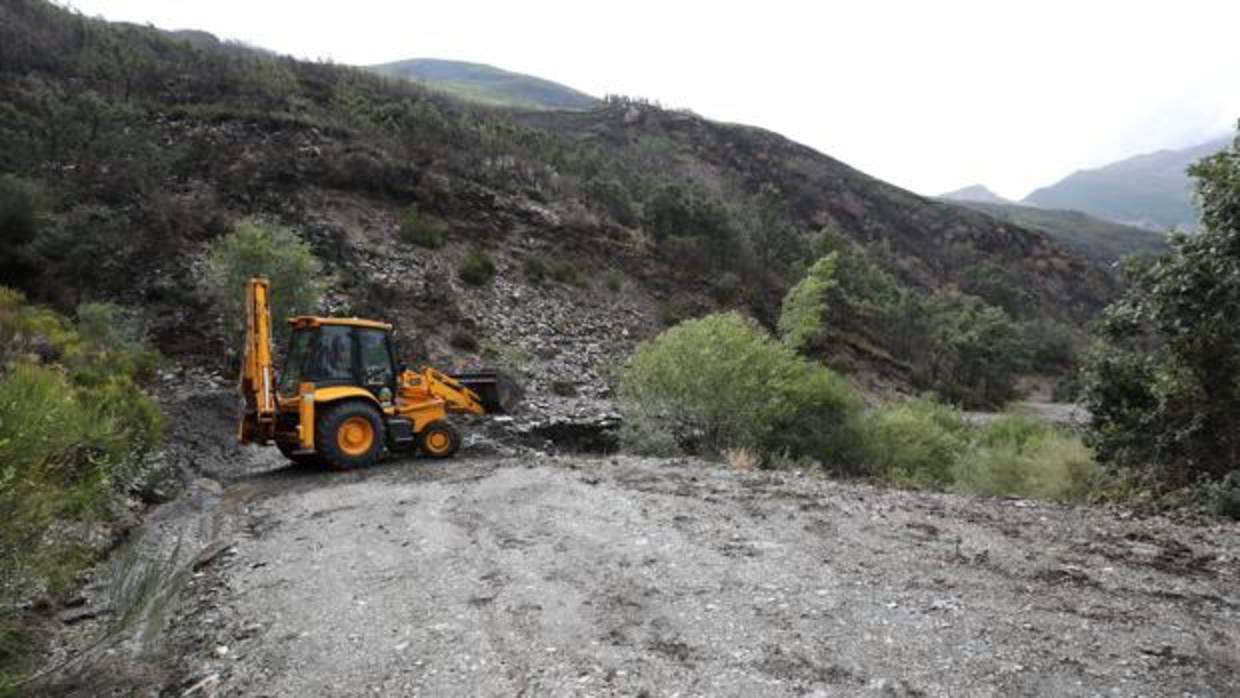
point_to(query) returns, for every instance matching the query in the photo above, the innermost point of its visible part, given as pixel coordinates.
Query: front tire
(439, 440)
(302, 459)
(349, 435)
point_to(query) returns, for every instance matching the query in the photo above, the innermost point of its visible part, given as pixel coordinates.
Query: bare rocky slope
(149, 146)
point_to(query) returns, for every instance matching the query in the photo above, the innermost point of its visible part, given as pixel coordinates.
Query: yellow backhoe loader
(341, 398)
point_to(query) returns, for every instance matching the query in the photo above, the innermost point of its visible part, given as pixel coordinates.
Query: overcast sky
(928, 95)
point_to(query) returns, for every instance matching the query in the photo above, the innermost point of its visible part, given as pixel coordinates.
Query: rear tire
(439, 440)
(349, 435)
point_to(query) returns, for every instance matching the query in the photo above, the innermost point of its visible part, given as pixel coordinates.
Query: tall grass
(74, 424)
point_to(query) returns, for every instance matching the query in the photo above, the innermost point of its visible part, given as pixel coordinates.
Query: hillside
(145, 147)
(487, 84)
(1100, 240)
(1150, 190)
(975, 192)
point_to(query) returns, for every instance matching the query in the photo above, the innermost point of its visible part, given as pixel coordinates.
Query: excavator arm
(257, 380)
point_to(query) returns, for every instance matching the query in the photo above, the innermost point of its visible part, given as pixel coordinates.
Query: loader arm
(456, 397)
(257, 381)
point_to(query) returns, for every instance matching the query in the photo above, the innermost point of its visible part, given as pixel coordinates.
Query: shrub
(463, 340)
(1227, 497)
(71, 437)
(722, 382)
(1024, 457)
(420, 229)
(564, 387)
(612, 280)
(917, 443)
(22, 207)
(477, 269)
(535, 269)
(255, 249)
(565, 271)
(613, 197)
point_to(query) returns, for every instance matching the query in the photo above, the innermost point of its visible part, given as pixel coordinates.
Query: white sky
(928, 95)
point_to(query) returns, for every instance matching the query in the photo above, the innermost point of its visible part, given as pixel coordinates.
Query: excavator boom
(257, 389)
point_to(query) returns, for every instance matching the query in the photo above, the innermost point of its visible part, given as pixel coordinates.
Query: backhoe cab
(341, 397)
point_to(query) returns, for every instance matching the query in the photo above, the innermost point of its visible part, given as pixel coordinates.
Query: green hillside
(487, 84)
(1150, 190)
(1100, 240)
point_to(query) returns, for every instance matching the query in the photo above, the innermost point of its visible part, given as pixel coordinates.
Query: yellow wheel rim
(438, 442)
(355, 436)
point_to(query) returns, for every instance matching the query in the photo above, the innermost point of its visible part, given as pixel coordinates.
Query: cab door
(377, 368)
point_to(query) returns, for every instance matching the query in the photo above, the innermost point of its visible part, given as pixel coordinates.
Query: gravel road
(625, 576)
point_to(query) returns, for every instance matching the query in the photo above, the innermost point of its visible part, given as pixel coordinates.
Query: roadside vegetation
(722, 387)
(75, 425)
(1163, 384)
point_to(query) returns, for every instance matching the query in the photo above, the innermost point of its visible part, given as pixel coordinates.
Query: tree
(1163, 385)
(255, 249)
(844, 293)
(974, 351)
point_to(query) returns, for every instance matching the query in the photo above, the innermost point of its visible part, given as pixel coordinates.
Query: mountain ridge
(486, 83)
(1150, 190)
(975, 192)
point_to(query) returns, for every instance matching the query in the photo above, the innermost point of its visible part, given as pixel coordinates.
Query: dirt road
(622, 576)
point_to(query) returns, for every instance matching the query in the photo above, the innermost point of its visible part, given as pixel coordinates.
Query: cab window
(334, 358)
(377, 371)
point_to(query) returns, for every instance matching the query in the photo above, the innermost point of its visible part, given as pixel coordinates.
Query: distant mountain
(1096, 239)
(975, 192)
(487, 84)
(1151, 190)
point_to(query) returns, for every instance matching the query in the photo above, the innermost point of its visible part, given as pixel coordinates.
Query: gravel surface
(625, 576)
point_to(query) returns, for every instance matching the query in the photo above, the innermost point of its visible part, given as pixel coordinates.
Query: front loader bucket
(499, 393)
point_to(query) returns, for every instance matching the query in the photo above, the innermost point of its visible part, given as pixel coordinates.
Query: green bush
(1024, 457)
(538, 269)
(74, 427)
(612, 280)
(255, 249)
(722, 382)
(417, 228)
(565, 271)
(917, 443)
(535, 269)
(477, 269)
(1227, 497)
